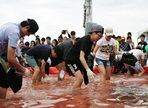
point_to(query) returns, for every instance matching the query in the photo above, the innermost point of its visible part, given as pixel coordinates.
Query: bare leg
(108, 73)
(102, 73)
(59, 66)
(39, 77)
(35, 74)
(79, 80)
(141, 73)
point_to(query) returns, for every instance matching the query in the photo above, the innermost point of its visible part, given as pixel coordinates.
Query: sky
(55, 15)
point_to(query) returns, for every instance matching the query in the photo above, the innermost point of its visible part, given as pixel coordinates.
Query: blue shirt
(10, 33)
(40, 52)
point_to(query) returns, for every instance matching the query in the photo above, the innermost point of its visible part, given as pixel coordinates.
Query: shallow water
(120, 92)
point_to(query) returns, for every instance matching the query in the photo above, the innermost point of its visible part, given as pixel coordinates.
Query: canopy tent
(144, 31)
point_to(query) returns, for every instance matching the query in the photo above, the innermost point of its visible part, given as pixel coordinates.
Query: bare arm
(95, 49)
(12, 60)
(90, 73)
(68, 34)
(83, 61)
(43, 68)
(116, 51)
(21, 55)
(63, 66)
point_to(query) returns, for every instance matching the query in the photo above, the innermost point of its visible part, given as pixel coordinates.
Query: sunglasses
(100, 35)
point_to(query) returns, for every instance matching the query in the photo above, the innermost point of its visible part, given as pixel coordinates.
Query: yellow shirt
(117, 45)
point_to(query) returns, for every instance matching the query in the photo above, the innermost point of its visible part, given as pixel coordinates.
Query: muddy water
(120, 92)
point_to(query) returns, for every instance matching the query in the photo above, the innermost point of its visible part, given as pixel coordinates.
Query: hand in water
(61, 75)
(27, 72)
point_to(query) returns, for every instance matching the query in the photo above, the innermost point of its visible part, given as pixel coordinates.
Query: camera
(63, 31)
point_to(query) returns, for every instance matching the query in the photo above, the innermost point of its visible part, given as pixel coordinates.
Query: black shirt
(40, 52)
(65, 46)
(142, 45)
(24, 50)
(84, 44)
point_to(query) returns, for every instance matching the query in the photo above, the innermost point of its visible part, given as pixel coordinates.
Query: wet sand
(121, 92)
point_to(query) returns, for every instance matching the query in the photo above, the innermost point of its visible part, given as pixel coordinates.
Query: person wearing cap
(124, 46)
(37, 57)
(76, 57)
(102, 50)
(10, 33)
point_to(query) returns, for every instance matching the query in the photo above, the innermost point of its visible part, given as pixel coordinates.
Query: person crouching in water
(102, 51)
(77, 56)
(65, 46)
(38, 55)
(133, 61)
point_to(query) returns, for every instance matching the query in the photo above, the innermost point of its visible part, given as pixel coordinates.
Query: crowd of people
(69, 53)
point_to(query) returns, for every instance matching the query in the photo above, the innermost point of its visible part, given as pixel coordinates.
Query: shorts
(31, 61)
(106, 63)
(10, 79)
(71, 68)
(4, 81)
(137, 67)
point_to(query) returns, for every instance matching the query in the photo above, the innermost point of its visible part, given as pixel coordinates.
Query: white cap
(109, 31)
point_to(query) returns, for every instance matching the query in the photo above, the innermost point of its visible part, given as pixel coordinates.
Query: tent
(144, 31)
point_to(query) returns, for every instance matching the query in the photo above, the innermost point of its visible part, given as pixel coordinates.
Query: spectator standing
(124, 46)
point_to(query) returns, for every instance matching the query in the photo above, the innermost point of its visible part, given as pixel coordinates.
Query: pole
(87, 16)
